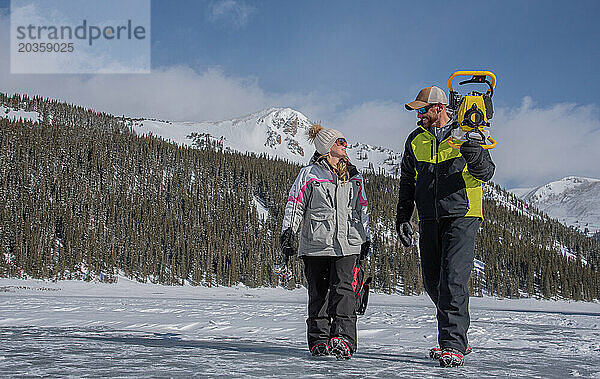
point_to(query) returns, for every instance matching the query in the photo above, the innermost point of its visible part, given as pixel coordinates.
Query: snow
(565, 251)
(574, 201)
(508, 199)
(374, 158)
(248, 133)
(10, 113)
(72, 328)
(276, 132)
(479, 266)
(261, 208)
(520, 192)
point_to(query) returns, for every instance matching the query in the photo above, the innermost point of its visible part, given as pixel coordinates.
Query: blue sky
(380, 49)
(353, 64)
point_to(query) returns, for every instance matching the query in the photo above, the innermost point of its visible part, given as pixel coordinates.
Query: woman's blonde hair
(341, 169)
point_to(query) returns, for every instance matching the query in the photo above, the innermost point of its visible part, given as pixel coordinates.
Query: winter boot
(320, 350)
(339, 347)
(451, 358)
(436, 352)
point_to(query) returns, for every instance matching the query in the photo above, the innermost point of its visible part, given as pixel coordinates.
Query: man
(447, 186)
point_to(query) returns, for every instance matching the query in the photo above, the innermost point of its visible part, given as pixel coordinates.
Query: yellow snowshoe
(473, 111)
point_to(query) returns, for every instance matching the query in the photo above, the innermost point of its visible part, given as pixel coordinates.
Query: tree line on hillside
(86, 198)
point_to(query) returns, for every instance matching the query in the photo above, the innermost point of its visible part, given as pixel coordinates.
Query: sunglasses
(424, 109)
(341, 142)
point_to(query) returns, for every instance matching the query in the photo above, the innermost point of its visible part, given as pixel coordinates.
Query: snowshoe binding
(340, 348)
(320, 350)
(472, 112)
(451, 358)
(436, 352)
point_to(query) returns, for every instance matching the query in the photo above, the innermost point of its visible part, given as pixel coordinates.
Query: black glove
(472, 152)
(286, 241)
(364, 249)
(405, 233)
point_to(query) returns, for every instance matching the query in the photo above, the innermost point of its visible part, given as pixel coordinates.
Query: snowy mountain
(276, 132)
(574, 201)
(282, 133)
(146, 184)
(510, 200)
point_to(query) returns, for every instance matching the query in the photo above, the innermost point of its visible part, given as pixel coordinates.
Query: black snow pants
(447, 251)
(331, 301)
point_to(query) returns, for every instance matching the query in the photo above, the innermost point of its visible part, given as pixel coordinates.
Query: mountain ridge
(277, 132)
(106, 200)
(573, 200)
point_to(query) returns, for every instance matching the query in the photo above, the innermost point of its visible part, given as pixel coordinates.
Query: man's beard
(426, 122)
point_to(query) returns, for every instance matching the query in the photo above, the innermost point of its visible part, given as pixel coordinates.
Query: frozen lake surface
(142, 330)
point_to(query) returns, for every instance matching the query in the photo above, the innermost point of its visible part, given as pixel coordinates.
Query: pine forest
(84, 197)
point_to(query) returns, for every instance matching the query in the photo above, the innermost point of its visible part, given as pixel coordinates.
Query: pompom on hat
(323, 138)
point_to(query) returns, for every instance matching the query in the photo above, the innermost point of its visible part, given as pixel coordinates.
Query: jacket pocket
(455, 203)
(320, 229)
(356, 231)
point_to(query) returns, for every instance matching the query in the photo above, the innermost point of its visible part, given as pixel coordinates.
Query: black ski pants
(447, 251)
(331, 301)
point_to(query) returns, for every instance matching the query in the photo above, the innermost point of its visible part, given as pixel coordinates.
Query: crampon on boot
(436, 352)
(320, 350)
(340, 348)
(451, 358)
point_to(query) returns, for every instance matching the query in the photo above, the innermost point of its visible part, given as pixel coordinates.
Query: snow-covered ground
(129, 329)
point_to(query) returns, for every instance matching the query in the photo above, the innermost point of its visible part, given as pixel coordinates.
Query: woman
(328, 199)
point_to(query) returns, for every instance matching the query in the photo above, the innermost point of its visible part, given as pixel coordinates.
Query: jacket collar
(445, 130)
(319, 159)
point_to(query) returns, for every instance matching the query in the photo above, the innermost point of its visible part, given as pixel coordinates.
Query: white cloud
(173, 93)
(235, 13)
(82, 55)
(380, 123)
(535, 144)
(540, 144)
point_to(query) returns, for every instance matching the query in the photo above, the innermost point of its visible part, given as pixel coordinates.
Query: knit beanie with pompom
(323, 138)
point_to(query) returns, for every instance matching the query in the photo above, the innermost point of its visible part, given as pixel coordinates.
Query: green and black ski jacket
(435, 176)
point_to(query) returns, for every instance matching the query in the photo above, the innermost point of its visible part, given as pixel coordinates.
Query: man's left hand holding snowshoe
(478, 160)
(472, 152)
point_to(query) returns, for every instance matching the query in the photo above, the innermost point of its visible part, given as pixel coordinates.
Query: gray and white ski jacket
(333, 214)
